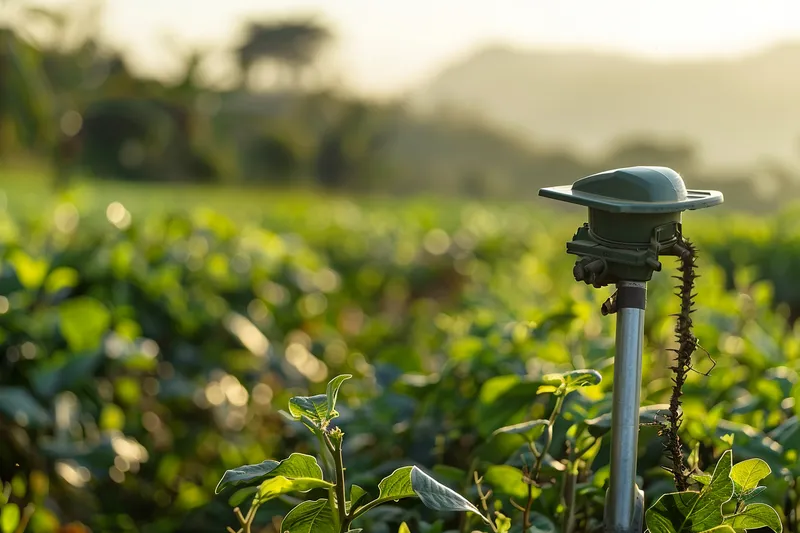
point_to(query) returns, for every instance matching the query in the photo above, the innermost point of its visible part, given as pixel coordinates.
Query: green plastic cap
(640, 189)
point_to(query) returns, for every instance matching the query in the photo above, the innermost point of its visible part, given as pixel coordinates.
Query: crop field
(151, 339)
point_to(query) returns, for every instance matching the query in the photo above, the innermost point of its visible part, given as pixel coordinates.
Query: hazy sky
(385, 46)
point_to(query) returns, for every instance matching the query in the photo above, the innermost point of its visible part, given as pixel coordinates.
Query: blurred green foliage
(142, 353)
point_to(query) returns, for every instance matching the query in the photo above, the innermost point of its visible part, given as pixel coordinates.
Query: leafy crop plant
(300, 473)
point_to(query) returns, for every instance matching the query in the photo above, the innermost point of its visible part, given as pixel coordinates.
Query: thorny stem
(687, 343)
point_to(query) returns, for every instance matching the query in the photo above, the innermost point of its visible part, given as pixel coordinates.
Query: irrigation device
(634, 217)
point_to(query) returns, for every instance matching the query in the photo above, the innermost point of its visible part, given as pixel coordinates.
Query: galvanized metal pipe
(624, 500)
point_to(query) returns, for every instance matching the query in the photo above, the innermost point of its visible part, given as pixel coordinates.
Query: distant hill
(736, 110)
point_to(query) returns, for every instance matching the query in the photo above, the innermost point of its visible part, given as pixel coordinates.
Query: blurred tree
(48, 69)
(290, 46)
(26, 98)
(349, 147)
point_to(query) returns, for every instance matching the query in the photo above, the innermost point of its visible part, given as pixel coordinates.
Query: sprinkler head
(634, 216)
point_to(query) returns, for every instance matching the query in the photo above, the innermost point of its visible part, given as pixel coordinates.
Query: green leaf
(755, 516)
(279, 485)
(310, 517)
(356, 494)
(541, 524)
(83, 321)
(576, 379)
(9, 518)
(241, 495)
(571, 380)
(556, 380)
(393, 487)
(703, 479)
(752, 493)
(18, 405)
(601, 425)
(316, 411)
(690, 511)
(332, 393)
(438, 497)
(530, 430)
(296, 466)
(747, 474)
(720, 529)
(504, 399)
(397, 485)
(314, 408)
(507, 480)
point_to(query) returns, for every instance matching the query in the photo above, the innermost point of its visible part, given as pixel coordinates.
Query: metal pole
(624, 500)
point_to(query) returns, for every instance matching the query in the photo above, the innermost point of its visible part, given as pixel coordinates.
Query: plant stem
(324, 451)
(526, 515)
(549, 440)
(570, 481)
(336, 451)
(537, 468)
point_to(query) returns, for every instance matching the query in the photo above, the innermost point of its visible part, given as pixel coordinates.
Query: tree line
(72, 101)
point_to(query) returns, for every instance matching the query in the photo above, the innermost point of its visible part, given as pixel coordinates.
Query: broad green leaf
(601, 425)
(541, 524)
(503, 400)
(720, 529)
(752, 493)
(332, 393)
(296, 466)
(83, 322)
(690, 511)
(279, 485)
(438, 497)
(703, 479)
(9, 518)
(755, 516)
(554, 379)
(241, 495)
(397, 485)
(747, 474)
(393, 487)
(530, 430)
(356, 494)
(576, 379)
(315, 408)
(507, 480)
(22, 408)
(310, 517)
(573, 379)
